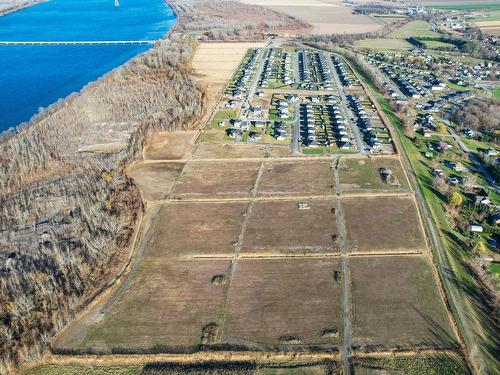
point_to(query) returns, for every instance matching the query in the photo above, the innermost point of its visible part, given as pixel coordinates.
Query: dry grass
(358, 174)
(216, 62)
(196, 229)
(220, 150)
(396, 303)
(170, 145)
(298, 178)
(165, 304)
(382, 225)
(155, 179)
(217, 180)
(271, 300)
(281, 227)
(326, 17)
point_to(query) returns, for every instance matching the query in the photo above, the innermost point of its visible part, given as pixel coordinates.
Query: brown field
(396, 303)
(217, 180)
(382, 225)
(196, 229)
(170, 145)
(299, 178)
(163, 304)
(273, 301)
(491, 27)
(358, 174)
(220, 150)
(155, 179)
(280, 227)
(326, 17)
(216, 62)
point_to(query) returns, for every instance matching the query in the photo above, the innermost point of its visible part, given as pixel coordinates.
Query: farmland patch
(297, 178)
(187, 229)
(382, 225)
(155, 179)
(169, 145)
(284, 302)
(293, 227)
(358, 174)
(396, 303)
(217, 180)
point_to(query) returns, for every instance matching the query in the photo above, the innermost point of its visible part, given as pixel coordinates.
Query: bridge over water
(76, 42)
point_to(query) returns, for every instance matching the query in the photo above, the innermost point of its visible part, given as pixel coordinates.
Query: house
(234, 133)
(476, 228)
(442, 145)
(255, 136)
(221, 123)
(481, 199)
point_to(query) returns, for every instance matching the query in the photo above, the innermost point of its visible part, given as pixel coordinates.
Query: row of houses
(244, 75)
(313, 70)
(341, 71)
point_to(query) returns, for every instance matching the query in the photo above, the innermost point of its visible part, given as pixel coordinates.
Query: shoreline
(16, 8)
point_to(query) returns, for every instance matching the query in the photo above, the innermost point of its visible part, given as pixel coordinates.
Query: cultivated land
(395, 305)
(382, 225)
(222, 150)
(170, 145)
(216, 62)
(296, 178)
(282, 227)
(326, 17)
(155, 179)
(213, 180)
(363, 174)
(294, 301)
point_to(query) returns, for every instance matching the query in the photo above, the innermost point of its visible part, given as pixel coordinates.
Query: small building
(476, 228)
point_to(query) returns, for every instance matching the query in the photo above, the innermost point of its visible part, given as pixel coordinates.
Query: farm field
(213, 180)
(416, 29)
(300, 178)
(364, 174)
(221, 150)
(216, 62)
(155, 179)
(282, 227)
(167, 303)
(295, 301)
(188, 229)
(396, 303)
(170, 145)
(382, 224)
(326, 17)
(383, 43)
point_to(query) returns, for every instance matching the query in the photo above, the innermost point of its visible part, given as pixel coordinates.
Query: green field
(494, 268)
(416, 29)
(436, 44)
(496, 92)
(480, 6)
(382, 43)
(493, 16)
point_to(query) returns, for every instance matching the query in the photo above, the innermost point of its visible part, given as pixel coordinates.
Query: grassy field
(436, 44)
(364, 174)
(296, 178)
(231, 150)
(476, 6)
(383, 43)
(496, 92)
(492, 16)
(293, 301)
(210, 180)
(416, 29)
(169, 145)
(85, 370)
(431, 365)
(396, 303)
(281, 227)
(382, 225)
(155, 179)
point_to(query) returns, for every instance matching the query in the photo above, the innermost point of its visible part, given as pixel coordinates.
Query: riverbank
(18, 5)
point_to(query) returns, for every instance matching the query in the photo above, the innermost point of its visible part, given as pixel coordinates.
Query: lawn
(85, 370)
(494, 268)
(223, 115)
(496, 92)
(493, 16)
(416, 29)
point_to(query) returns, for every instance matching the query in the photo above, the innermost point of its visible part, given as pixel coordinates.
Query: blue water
(36, 76)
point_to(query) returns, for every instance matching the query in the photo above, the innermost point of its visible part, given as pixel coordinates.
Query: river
(32, 77)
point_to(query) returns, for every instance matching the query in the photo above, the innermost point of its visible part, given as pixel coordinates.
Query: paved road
(255, 81)
(347, 111)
